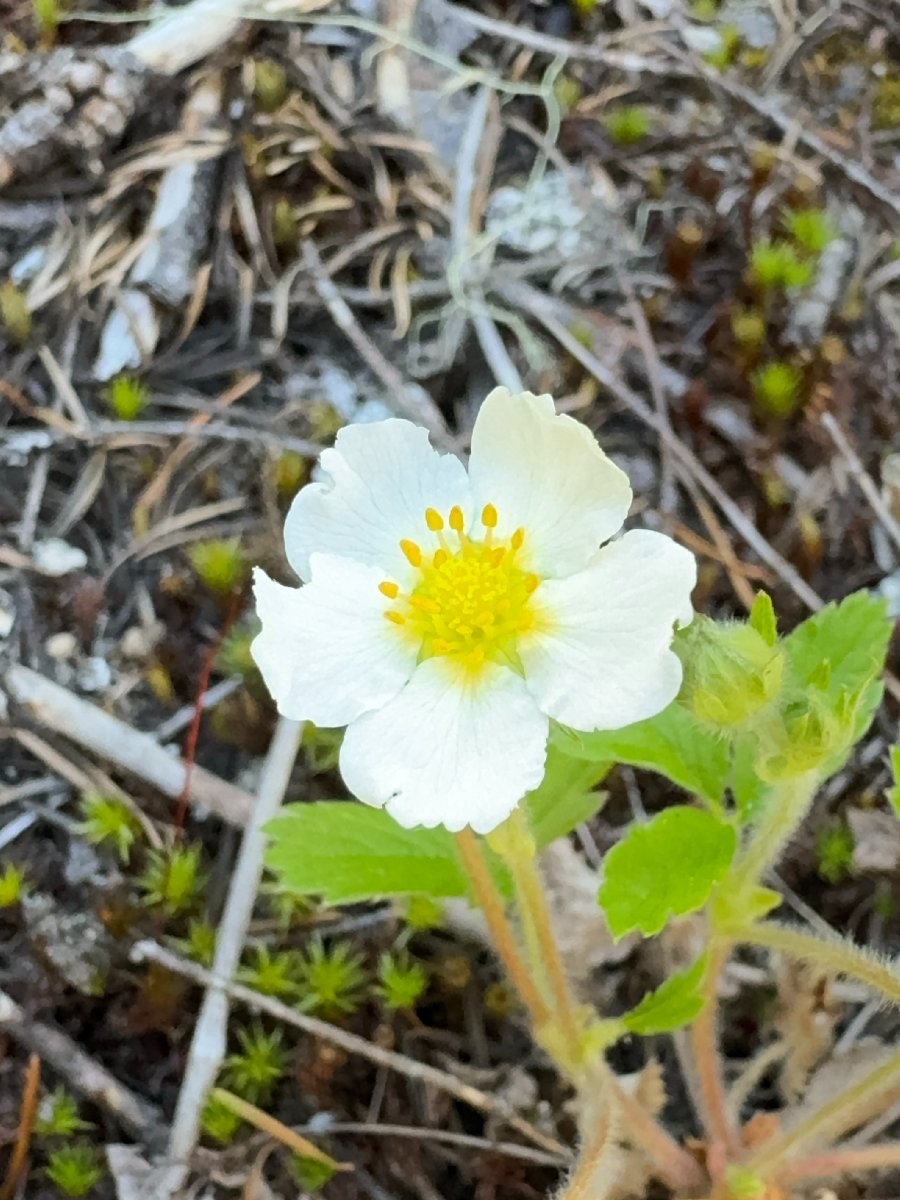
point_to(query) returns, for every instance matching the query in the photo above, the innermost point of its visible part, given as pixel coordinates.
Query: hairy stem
(675, 1165)
(599, 1164)
(829, 1121)
(788, 804)
(536, 916)
(843, 1162)
(492, 907)
(706, 1056)
(835, 954)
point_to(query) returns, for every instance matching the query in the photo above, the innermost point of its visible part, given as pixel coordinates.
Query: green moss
(628, 124)
(776, 388)
(127, 397)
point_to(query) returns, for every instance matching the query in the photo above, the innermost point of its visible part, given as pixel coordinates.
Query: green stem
(835, 954)
(829, 1121)
(788, 804)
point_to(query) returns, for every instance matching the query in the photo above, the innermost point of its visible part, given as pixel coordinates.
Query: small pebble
(94, 675)
(61, 646)
(55, 557)
(7, 615)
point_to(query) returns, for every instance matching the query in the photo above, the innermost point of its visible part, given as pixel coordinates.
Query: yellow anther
(470, 600)
(412, 552)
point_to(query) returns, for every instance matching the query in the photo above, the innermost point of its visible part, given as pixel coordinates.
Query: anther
(518, 539)
(397, 618)
(434, 520)
(456, 518)
(389, 589)
(531, 582)
(412, 552)
(489, 516)
(440, 557)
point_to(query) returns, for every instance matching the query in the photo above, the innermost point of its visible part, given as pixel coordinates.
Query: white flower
(447, 617)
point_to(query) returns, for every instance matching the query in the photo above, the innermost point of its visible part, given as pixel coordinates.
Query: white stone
(55, 557)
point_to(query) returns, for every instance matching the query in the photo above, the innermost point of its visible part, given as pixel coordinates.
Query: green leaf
(565, 797)
(733, 912)
(749, 791)
(843, 647)
(346, 852)
(836, 658)
(674, 1003)
(664, 868)
(673, 743)
(893, 793)
(762, 618)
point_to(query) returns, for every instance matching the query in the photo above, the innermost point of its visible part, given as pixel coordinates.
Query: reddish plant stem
(27, 1111)
(193, 733)
(722, 1139)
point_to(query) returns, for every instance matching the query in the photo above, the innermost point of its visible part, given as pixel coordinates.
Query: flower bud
(731, 673)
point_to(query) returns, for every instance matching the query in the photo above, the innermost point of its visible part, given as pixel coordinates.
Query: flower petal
(450, 750)
(547, 474)
(326, 651)
(603, 659)
(380, 478)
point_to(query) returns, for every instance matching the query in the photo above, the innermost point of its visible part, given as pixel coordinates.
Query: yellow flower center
(470, 600)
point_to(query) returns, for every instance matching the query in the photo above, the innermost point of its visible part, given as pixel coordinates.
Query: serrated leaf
(673, 743)
(565, 797)
(347, 852)
(841, 648)
(893, 793)
(665, 868)
(762, 618)
(674, 1003)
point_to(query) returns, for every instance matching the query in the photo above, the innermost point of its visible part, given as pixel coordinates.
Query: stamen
(412, 552)
(531, 582)
(456, 518)
(489, 517)
(434, 520)
(518, 539)
(389, 589)
(397, 618)
(440, 557)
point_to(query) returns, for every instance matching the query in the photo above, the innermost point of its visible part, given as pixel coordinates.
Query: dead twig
(149, 951)
(138, 753)
(411, 401)
(83, 1073)
(862, 477)
(210, 1033)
